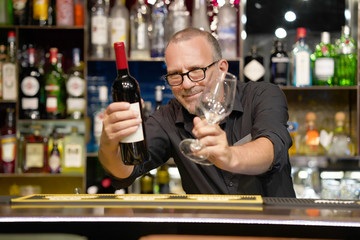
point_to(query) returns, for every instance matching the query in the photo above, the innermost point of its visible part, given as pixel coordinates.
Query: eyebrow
(189, 69)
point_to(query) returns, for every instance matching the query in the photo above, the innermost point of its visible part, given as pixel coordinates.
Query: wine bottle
(126, 88)
(8, 142)
(30, 85)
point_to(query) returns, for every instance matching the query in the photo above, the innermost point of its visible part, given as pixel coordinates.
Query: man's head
(192, 49)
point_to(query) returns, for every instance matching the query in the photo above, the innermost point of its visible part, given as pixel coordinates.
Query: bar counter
(274, 217)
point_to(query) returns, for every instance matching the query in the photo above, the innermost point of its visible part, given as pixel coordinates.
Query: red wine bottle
(126, 88)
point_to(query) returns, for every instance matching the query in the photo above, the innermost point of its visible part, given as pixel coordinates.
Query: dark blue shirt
(260, 110)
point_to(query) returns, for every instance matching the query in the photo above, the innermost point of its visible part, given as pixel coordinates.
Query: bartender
(249, 149)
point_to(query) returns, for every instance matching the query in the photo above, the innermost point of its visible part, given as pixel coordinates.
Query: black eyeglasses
(195, 75)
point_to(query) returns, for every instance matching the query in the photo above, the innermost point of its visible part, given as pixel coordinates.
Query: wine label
(30, 86)
(139, 134)
(8, 144)
(75, 86)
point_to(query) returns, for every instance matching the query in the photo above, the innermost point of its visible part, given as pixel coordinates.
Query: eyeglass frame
(187, 74)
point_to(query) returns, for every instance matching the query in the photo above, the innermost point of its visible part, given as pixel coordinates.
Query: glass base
(189, 147)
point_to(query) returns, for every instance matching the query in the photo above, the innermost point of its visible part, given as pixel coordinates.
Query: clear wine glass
(215, 103)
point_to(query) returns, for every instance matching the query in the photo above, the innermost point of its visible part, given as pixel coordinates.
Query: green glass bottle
(324, 61)
(346, 59)
(55, 90)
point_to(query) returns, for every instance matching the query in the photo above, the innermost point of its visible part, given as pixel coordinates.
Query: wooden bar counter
(132, 217)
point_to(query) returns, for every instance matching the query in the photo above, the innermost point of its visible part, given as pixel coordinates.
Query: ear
(223, 65)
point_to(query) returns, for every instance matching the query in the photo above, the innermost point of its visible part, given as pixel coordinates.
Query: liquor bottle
(52, 13)
(21, 11)
(254, 66)
(8, 142)
(119, 25)
(126, 88)
(6, 12)
(147, 184)
(64, 12)
(99, 30)
(279, 64)
(310, 143)
(99, 115)
(3, 57)
(341, 144)
(35, 153)
(54, 157)
(163, 179)
(324, 61)
(300, 59)
(227, 30)
(79, 13)
(293, 128)
(31, 83)
(75, 87)
(74, 148)
(158, 96)
(139, 30)
(55, 88)
(158, 38)
(346, 59)
(199, 15)
(9, 77)
(178, 18)
(40, 14)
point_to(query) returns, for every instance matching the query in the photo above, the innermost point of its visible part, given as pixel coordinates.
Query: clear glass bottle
(279, 64)
(139, 29)
(324, 61)
(254, 69)
(178, 18)
(99, 114)
(227, 30)
(75, 87)
(158, 37)
(346, 59)
(300, 59)
(9, 70)
(119, 25)
(99, 30)
(3, 57)
(54, 156)
(200, 18)
(8, 142)
(74, 148)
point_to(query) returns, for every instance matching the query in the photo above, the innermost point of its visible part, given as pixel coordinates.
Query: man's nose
(187, 83)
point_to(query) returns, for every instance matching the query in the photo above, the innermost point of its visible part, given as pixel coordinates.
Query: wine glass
(215, 103)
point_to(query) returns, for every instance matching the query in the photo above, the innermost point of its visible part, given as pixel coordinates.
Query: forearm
(253, 158)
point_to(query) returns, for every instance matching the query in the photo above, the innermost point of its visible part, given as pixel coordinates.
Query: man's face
(184, 56)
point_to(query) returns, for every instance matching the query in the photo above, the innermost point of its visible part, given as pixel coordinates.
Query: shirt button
(231, 184)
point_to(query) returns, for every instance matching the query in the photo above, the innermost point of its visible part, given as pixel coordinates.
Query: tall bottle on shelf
(126, 88)
(55, 89)
(99, 115)
(199, 15)
(99, 30)
(346, 58)
(158, 96)
(75, 87)
(6, 12)
(163, 179)
(54, 153)
(31, 82)
(8, 142)
(178, 18)
(279, 64)
(147, 183)
(79, 13)
(40, 14)
(21, 12)
(139, 30)
(324, 61)
(74, 150)
(310, 142)
(254, 69)
(227, 30)
(9, 70)
(158, 37)
(119, 25)
(64, 12)
(300, 59)
(3, 57)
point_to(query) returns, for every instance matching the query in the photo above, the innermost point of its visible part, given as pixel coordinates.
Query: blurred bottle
(199, 15)
(6, 12)
(346, 58)
(158, 96)
(74, 148)
(40, 12)
(9, 72)
(119, 25)
(324, 61)
(99, 114)
(293, 128)
(279, 64)
(55, 89)
(147, 184)
(8, 142)
(310, 143)
(54, 156)
(65, 12)
(300, 59)
(3, 57)
(75, 87)
(158, 37)
(79, 14)
(227, 30)
(139, 30)
(31, 83)
(35, 153)
(178, 18)
(99, 30)
(254, 66)
(163, 179)
(341, 143)
(52, 13)
(21, 11)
